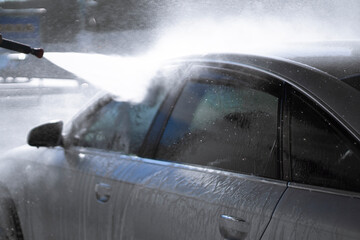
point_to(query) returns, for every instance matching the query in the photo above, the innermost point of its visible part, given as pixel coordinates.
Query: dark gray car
(239, 147)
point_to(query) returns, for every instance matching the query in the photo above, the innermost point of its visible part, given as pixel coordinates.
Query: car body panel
(306, 212)
(155, 199)
(143, 191)
(56, 177)
(180, 202)
(34, 175)
(45, 215)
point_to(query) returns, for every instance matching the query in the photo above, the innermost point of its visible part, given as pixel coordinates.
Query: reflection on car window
(223, 126)
(118, 126)
(320, 155)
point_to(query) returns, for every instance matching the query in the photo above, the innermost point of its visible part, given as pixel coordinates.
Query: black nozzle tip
(38, 52)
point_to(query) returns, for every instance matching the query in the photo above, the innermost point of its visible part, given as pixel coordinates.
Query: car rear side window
(225, 126)
(321, 154)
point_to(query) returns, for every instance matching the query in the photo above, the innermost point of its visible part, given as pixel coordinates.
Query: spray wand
(19, 47)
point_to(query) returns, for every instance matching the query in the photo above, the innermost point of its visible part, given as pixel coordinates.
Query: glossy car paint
(306, 212)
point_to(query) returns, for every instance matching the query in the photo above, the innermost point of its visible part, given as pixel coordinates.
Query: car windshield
(99, 74)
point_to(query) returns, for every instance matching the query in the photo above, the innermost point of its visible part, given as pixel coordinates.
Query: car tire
(9, 221)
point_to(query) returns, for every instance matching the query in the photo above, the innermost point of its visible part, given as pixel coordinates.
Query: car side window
(321, 154)
(107, 128)
(117, 126)
(223, 125)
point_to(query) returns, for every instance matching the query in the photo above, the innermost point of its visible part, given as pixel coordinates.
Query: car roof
(338, 58)
(336, 97)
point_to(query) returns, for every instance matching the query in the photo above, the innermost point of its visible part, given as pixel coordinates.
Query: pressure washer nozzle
(19, 47)
(38, 52)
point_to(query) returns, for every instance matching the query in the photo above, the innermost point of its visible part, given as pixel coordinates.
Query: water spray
(19, 47)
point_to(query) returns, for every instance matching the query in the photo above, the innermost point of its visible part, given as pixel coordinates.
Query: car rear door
(322, 200)
(215, 164)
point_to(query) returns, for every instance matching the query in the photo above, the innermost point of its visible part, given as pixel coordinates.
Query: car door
(215, 160)
(322, 200)
(72, 190)
(60, 181)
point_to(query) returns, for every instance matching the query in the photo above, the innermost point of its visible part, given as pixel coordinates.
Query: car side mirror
(46, 135)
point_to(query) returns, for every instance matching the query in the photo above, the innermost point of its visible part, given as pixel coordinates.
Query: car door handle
(232, 228)
(102, 192)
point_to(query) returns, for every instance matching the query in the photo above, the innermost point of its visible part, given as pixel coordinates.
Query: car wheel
(9, 221)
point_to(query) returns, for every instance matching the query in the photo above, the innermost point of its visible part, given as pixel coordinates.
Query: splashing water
(254, 27)
(127, 77)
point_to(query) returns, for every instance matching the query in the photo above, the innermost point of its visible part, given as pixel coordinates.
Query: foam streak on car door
(52, 209)
(100, 190)
(170, 201)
